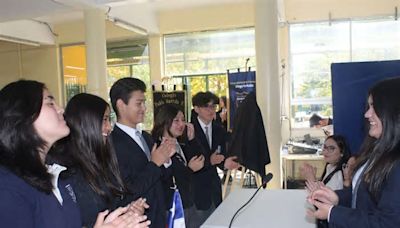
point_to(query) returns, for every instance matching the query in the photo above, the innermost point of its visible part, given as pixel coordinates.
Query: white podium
(268, 209)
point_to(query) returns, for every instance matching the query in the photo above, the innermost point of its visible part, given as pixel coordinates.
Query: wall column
(267, 80)
(96, 52)
(156, 56)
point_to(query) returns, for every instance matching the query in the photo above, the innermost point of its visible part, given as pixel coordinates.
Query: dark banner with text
(176, 98)
(240, 84)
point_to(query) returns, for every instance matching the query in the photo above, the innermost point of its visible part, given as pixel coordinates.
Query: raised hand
(196, 163)
(322, 210)
(216, 158)
(326, 195)
(308, 172)
(190, 131)
(348, 171)
(312, 186)
(230, 163)
(138, 206)
(164, 152)
(121, 218)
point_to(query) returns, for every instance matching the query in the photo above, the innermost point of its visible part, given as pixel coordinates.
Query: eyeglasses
(210, 106)
(330, 149)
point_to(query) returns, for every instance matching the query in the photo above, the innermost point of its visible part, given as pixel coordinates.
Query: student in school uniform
(212, 138)
(141, 164)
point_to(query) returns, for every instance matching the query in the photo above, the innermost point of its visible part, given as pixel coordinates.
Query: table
(269, 208)
(292, 158)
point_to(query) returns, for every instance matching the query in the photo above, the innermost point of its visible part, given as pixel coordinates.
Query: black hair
(344, 151)
(123, 88)
(163, 121)
(383, 153)
(20, 144)
(201, 99)
(85, 145)
(314, 120)
(223, 98)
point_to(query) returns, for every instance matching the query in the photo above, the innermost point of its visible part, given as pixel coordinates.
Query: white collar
(202, 124)
(55, 170)
(127, 129)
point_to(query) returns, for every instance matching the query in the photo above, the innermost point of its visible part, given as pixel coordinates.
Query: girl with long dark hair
(170, 122)
(31, 194)
(372, 200)
(336, 153)
(91, 161)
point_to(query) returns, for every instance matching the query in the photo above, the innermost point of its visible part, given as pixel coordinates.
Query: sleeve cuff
(168, 164)
(329, 213)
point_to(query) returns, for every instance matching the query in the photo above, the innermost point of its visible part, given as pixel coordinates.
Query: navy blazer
(183, 174)
(385, 213)
(143, 177)
(23, 206)
(206, 182)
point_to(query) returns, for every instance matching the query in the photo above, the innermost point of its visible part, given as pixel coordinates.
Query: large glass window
(74, 70)
(131, 59)
(314, 46)
(375, 40)
(208, 52)
(200, 60)
(124, 59)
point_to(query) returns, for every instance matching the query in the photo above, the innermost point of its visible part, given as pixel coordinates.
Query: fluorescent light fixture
(19, 40)
(128, 26)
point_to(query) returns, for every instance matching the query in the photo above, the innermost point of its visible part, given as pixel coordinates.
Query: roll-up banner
(240, 84)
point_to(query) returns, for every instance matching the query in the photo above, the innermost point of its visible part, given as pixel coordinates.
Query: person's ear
(196, 109)
(120, 105)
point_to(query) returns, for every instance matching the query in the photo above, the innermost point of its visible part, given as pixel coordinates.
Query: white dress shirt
(132, 133)
(336, 182)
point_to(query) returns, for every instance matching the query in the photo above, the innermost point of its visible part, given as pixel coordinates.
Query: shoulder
(9, 180)
(15, 190)
(218, 128)
(116, 132)
(395, 172)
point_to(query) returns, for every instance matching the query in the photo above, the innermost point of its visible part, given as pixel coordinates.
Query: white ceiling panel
(26, 9)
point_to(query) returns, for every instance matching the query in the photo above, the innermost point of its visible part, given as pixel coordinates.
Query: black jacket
(90, 203)
(182, 174)
(143, 177)
(249, 142)
(206, 182)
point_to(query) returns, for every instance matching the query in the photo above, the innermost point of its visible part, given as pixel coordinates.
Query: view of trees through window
(131, 59)
(315, 46)
(124, 59)
(200, 60)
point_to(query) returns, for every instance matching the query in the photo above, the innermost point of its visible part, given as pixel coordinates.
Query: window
(200, 60)
(131, 59)
(74, 70)
(124, 59)
(314, 46)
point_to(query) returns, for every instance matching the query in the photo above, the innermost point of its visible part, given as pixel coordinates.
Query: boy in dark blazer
(141, 163)
(212, 137)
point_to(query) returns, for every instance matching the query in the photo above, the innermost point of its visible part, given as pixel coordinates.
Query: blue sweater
(23, 206)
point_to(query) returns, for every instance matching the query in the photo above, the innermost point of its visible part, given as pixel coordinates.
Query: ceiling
(21, 18)
(59, 11)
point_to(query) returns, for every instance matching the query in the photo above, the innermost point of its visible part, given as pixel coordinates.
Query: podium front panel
(268, 209)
